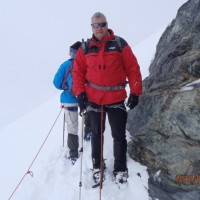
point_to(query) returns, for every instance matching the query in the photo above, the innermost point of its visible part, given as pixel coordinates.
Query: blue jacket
(60, 82)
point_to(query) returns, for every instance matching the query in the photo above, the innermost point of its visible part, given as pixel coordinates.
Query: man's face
(99, 28)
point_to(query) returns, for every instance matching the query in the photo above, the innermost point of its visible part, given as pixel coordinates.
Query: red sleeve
(78, 73)
(132, 71)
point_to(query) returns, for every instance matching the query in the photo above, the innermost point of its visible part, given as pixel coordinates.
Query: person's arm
(132, 71)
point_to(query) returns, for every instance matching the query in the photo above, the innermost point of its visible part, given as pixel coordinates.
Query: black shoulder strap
(117, 38)
(84, 45)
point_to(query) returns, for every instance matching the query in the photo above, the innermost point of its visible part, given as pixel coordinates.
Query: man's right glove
(132, 101)
(82, 102)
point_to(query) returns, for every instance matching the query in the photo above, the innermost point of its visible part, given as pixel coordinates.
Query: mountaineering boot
(97, 175)
(121, 178)
(87, 136)
(73, 160)
(73, 157)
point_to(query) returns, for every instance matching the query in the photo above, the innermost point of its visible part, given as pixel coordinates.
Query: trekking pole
(64, 129)
(81, 152)
(101, 155)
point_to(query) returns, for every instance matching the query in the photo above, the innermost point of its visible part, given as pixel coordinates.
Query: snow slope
(54, 177)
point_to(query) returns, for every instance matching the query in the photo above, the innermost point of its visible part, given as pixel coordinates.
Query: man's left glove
(82, 102)
(132, 101)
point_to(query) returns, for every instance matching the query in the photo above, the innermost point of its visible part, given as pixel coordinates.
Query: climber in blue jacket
(63, 81)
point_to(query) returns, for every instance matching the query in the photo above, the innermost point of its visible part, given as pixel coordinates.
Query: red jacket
(103, 65)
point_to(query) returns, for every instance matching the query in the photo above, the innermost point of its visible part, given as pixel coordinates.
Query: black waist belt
(106, 88)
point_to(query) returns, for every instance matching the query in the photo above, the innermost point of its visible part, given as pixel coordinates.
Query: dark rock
(165, 126)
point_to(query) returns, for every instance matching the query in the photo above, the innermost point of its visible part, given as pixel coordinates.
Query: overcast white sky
(35, 36)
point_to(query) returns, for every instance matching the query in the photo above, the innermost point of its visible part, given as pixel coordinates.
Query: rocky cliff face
(166, 124)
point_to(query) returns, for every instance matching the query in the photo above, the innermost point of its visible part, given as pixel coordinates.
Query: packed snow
(191, 86)
(54, 177)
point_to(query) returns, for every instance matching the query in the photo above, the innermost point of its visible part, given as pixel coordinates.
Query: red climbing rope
(28, 171)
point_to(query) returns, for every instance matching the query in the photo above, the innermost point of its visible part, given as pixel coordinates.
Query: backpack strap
(117, 39)
(84, 45)
(69, 70)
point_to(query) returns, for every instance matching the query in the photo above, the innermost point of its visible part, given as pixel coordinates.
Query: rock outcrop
(165, 126)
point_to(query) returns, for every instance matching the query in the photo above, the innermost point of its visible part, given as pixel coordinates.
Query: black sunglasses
(96, 25)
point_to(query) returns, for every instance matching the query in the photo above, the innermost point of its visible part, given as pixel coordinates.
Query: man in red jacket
(99, 78)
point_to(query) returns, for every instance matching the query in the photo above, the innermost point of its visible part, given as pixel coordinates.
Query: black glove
(82, 102)
(132, 101)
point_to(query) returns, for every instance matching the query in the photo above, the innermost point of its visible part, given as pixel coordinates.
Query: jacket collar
(95, 42)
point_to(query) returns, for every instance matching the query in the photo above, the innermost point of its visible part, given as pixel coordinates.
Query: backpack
(85, 44)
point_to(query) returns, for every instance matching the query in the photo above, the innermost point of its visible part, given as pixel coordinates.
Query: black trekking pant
(87, 123)
(117, 117)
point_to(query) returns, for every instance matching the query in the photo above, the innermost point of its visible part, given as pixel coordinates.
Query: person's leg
(95, 121)
(117, 117)
(87, 127)
(71, 118)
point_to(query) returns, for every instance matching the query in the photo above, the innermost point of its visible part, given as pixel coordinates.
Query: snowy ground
(53, 176)
(191, 86)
